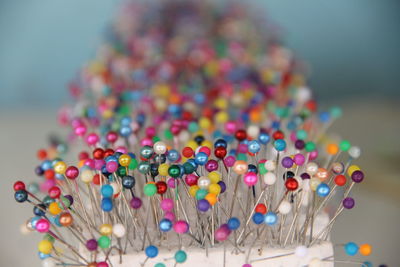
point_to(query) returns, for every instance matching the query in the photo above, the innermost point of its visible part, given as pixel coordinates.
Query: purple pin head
(211, 165)
(305, 175)
(203, 205)
(229, 161)
(357, 176)
(348, 202)
(287, 162)
(91, 244)
(299, 144)
(223, 186)
(222, 233)
(136, 203)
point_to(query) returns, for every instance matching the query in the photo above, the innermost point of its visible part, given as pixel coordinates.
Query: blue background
(351, 46)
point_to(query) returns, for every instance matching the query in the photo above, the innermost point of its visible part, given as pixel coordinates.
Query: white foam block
(197, 257)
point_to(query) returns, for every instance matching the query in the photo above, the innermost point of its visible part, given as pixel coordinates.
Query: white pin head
(119, 230)
(269, 178)
(270, 165)
(355, 152)
(285, 207)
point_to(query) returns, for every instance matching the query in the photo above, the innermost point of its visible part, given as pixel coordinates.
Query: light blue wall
(43, 44)
(352, 46)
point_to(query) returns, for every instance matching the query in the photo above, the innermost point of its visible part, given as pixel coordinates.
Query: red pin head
(291, 184)
(19, 185)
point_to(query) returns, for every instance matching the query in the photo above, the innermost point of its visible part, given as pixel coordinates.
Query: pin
(151, 252)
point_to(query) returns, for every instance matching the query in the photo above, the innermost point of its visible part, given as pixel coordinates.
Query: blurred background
(352, 48)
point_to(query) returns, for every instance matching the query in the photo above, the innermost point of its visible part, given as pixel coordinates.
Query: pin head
(211, 165)
(357, 176)
(161, 187)
(337, 167)
(264, 138)
(150, 189)
(105, 229)
(107, 190)
(151, 251)
(285, 207)
(269, 178)
(187, 152)
(240, 167)
(39, 210)
(220, 152)
(72, 172)
(250, 178)
(174, 171)
(270, 218)
(323, 190)
(222, 233)
(365, 249)
(299, 159)
(348, 202)
(203, 205)
(201, 158)
(291, 184)
(21, 196)
(54, 208)
(60, 167)
(240, 135)
(261, 208)
(128, 181)
(104, 242)
(167, 204)
(233, 223)
(280, 144)
(340, 180)
(344, 145)
(181, 227)
(165, 225)
(229, 161)
(19, 185)
(287, 162)
(54, 192)
(106, 204)
(65, 219)
(91, 244)
(45, 246)
(211, 198)
(119, 230)
(136, 203)
(351, 248)
(254, 146)
(180, 256)
(42, 226)
(124, 160)
(299, 144)
(332, 149)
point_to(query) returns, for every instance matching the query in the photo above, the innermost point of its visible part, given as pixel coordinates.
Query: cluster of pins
(197, 137)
